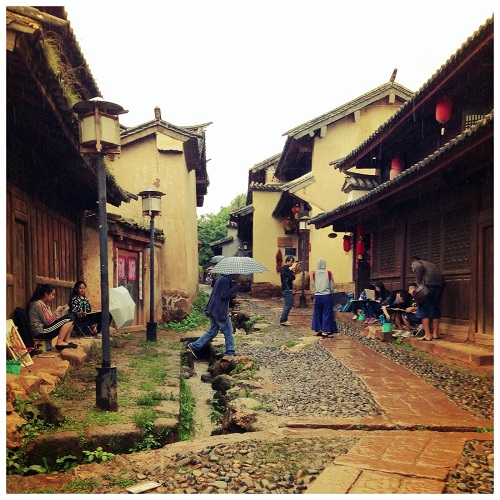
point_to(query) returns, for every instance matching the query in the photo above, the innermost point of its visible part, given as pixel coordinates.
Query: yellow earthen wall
(141, 166)
(325, 193)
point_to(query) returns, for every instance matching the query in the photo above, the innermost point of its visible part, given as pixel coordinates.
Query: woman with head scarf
(323, 321)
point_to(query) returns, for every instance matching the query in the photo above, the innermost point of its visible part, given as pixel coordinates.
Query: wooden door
(20, 263)
(128, 276)
(18, 249)
(485, 273)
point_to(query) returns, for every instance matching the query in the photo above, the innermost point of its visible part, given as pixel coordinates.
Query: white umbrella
(239, 265)
(121, 306)
(216, 259)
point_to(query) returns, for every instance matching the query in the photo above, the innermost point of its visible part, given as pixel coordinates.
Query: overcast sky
(257, 69)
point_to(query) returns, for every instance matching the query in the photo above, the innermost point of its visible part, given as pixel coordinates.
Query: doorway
(485, 274)
(128, 274)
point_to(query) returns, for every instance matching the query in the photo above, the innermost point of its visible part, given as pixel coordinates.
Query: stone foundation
(175, 306)
(265, 290)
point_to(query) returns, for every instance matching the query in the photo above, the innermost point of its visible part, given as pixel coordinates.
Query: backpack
(22, 321)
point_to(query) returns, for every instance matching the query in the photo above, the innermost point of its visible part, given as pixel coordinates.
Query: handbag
(420, 294)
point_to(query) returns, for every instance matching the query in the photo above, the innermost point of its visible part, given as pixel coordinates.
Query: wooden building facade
(49, 184)
(440, 206)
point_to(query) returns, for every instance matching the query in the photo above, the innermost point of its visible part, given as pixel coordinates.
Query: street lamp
(151, 206)
(303, 228)
(99, 131)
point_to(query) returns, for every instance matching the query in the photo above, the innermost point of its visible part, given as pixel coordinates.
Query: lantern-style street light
(151, 206)
(99, 131)
(303, 221)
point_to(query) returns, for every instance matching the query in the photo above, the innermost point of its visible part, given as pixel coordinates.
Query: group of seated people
(397, 306)
(47, 325)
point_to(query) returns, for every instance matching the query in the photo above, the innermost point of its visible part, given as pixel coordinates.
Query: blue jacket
(218, 304)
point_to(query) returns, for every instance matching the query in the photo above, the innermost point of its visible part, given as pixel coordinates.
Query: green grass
(81, 486)
(290, 343)
(186, 412)
(196, 318)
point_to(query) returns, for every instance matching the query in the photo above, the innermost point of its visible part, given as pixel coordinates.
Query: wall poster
(121, 267)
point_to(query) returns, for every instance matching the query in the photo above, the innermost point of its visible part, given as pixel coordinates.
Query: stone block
(383, 336)
(116, 438)
(53, 446)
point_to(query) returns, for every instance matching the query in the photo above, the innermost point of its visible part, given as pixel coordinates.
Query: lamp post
(151, 206)
(99, 131)
(303, 228)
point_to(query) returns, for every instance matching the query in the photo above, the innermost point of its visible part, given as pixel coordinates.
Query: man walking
(217, 310)
(287, 278)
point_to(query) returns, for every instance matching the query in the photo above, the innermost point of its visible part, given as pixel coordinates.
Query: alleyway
(410, 445)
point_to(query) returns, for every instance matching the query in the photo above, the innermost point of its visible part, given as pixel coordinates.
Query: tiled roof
(435, 79)
(248, 209)
(407, 174)
(257, 186)
(299, 182)
(133, 225)
(350, 107)
(222, 241)
(359, 182)
(265, 163)
(186, 131)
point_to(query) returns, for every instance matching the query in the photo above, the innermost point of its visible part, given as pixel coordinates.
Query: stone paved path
(409, 448)
(416, 460)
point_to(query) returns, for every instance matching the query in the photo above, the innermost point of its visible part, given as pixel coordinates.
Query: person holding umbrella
(217, 309)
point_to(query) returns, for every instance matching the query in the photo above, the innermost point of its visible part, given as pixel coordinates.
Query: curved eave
(471, 138)
(400, 92)
(466, 51)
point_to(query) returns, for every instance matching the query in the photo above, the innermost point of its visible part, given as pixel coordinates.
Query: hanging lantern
(443, 111)
(360, 249)
(279, 261)
(347, 243)
(396, 168)
(295, 211)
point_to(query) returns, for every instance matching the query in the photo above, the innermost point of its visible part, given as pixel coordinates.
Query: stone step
(450, 347)
(468, 353)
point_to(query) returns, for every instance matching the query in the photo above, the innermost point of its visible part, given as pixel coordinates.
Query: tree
(214, 227)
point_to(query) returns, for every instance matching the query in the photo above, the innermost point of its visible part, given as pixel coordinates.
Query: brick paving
(416, 460)
(409, 448)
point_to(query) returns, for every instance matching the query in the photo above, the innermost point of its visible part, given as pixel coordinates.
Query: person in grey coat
(428, 273)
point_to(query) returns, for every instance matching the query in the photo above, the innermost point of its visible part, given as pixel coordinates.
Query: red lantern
(396, 168)
(279, 261)
(347, 243)
(443, 111)
(295, 211)
(360, 249)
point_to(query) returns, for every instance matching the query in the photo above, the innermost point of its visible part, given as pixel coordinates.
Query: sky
(258, 69)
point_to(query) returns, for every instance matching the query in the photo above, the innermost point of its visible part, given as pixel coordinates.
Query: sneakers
(191, 350)
(369, 321)
(355, 316)
(418, 331)
(285, 323)
(401, 334)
